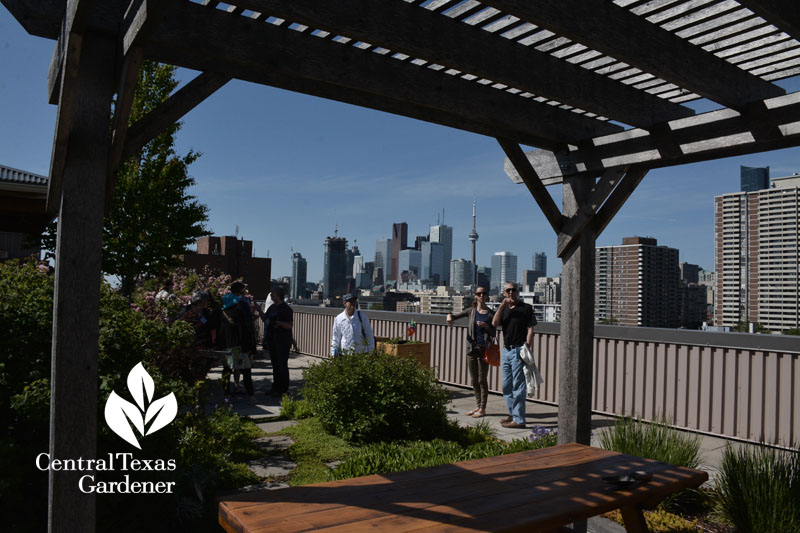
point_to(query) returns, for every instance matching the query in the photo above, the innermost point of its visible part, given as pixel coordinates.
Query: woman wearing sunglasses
(480, 332)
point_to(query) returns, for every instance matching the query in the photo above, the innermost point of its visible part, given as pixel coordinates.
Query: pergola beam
(769, 125)
(611, 29)
(265, 53)
(439, 39)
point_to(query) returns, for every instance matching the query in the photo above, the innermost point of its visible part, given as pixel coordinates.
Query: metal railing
(729, 384)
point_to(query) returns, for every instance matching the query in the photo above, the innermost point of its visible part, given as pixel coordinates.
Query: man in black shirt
(517, 320)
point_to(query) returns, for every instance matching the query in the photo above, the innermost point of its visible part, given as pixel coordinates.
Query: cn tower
(473, 237)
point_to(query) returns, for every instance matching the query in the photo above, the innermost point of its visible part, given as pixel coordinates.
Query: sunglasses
(510, 290)
(480, 294)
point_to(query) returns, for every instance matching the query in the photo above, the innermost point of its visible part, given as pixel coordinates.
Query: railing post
(577, 324)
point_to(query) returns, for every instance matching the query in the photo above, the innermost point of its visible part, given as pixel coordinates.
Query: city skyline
(287, 168)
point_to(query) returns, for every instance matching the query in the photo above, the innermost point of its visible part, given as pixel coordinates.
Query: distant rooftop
(13, 175)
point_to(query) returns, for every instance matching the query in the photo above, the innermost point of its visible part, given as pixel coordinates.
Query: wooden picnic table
(537, 490)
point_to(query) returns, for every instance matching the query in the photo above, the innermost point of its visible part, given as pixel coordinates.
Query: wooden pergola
(598, 86)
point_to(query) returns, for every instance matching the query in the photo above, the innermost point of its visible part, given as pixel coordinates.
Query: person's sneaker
(252, 400)
(512, 425)
(506, 420)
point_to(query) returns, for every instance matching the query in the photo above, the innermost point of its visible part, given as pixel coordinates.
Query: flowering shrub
(540, 432)
(184, 282)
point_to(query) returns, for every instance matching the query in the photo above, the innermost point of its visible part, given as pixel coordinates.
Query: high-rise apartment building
(637, 284)
(689, 273)
(297, 288)
(461, 274)
(444, 236)
(548, 290)
(504, 269)
(399, 242)
(383, 258)
(756, 256)
(334, 273)
(754, 178)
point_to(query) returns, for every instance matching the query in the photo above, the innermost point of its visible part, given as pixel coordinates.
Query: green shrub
(760, 488)
(398, 456)
(295, 409)
(206, 450)
(375, 397)
(660, 442)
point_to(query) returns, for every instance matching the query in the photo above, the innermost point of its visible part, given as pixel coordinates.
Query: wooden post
(577, 323)
(73, 400)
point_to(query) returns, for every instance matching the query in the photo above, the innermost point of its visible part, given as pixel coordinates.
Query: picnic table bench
(538, 490)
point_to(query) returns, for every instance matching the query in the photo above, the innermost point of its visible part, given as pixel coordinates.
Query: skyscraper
(636, 284)
(754, 178)
(756, 256)
(432, 261)
(299, 269)
(399, 242)
(504, 269)
(409, 261)
(383, 258)
(461, 273)
(539, 264)
(444, 236)
(334, 272)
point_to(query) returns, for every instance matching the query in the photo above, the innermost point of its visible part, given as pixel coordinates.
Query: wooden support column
(577, 322)
(73, 404)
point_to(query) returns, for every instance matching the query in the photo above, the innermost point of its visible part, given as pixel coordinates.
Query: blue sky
(286, 167)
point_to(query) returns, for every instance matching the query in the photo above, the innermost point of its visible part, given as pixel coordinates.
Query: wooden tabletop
(533, 490)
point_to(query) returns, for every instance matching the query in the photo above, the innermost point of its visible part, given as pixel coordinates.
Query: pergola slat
(273, 55)
(610, 29)
(784, 14)
(441, 40)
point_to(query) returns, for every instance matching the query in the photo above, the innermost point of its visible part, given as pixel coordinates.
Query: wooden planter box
(421, 351)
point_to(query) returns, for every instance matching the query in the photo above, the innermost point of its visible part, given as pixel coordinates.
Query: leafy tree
(793, 331)
(608, 321)
(152, 219)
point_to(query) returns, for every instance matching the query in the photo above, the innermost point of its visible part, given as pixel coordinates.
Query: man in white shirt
(351, 330)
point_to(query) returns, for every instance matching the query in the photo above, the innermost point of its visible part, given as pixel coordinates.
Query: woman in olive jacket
(480, 332)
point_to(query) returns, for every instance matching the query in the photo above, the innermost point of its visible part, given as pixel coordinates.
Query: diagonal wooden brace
(531, 180)
(574, 226)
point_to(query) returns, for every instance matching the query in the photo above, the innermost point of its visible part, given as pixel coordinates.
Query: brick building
(637, 284)
(234, 257)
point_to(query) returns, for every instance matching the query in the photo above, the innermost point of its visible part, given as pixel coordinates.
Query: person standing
(351, 330)
(517, 320)
(278, 326)
(480, 333)
(234, 331)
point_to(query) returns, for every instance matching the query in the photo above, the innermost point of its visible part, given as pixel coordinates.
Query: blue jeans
(513, 383)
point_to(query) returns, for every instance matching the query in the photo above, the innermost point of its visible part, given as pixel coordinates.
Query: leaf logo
(121, 414)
